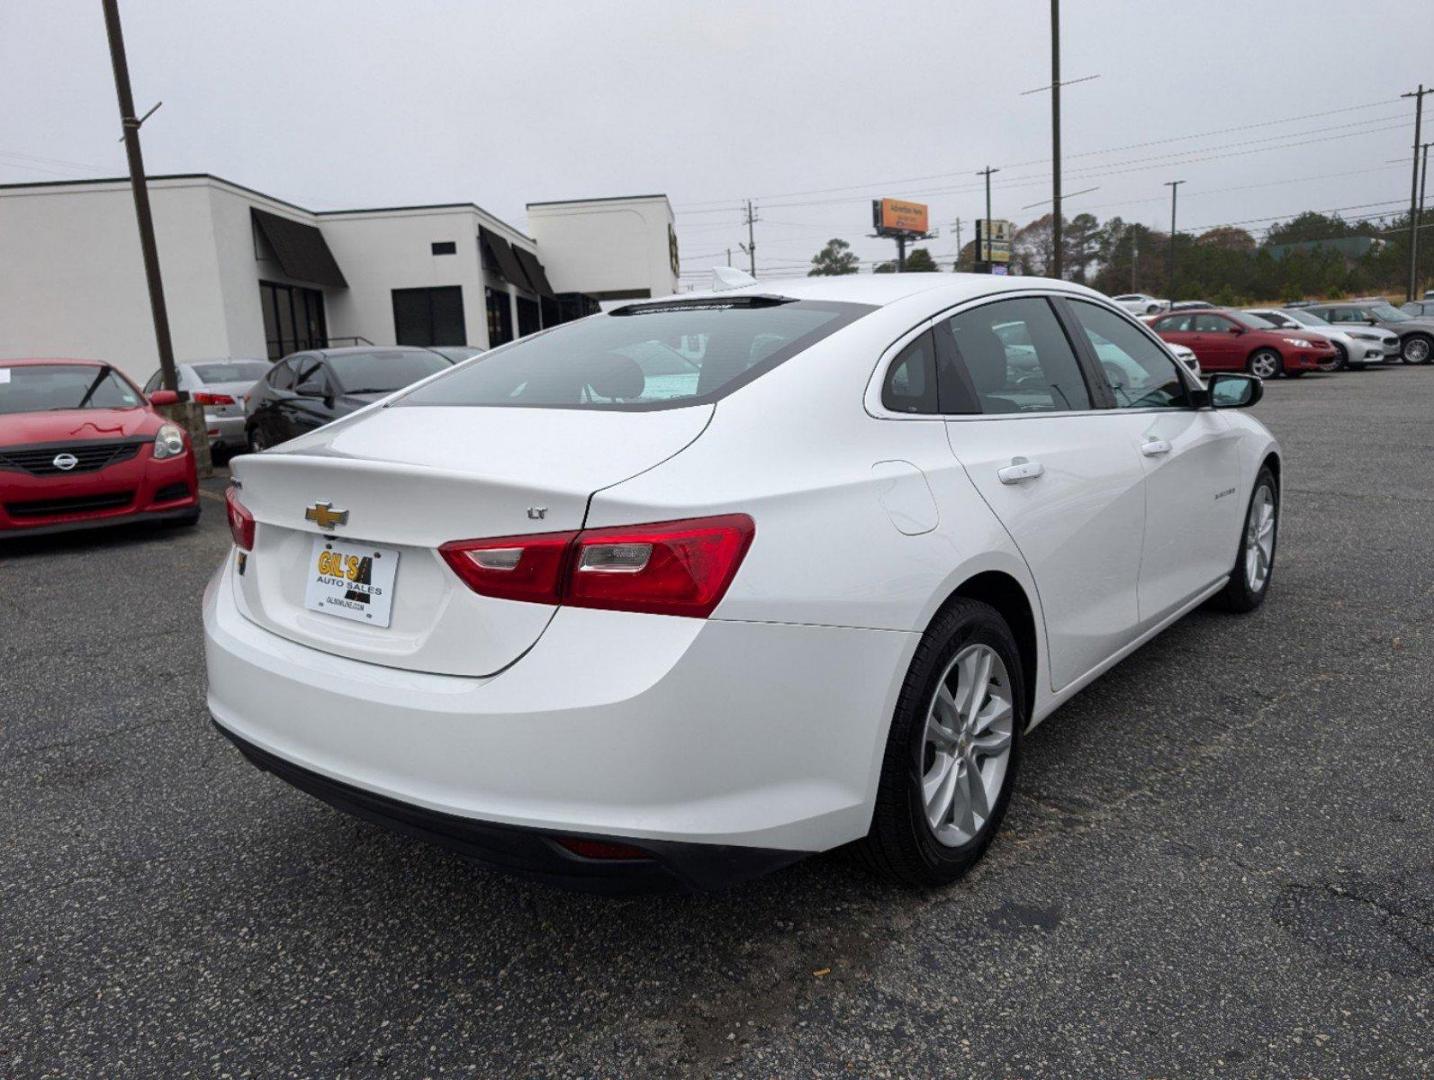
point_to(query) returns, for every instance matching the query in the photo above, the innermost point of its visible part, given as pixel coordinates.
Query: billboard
(999, 232)
(891, 216)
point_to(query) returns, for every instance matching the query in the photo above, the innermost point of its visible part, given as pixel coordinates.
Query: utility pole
(1418, 96)
(957, 225)
(986, 231)
(1174, 186)
(1134, 256)
(729, 256)
(147, 246)
(1423, 180)
(750, 247)
(1058, 259)
(1055, 136)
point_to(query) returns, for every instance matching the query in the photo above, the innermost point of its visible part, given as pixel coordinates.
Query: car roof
(353, 350)
(883, 289)
(29, 360)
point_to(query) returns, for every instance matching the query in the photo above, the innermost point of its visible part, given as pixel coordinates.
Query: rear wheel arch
(1008, 596)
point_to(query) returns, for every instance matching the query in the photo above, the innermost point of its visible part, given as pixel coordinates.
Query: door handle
(1019, 470)
(1155, 447)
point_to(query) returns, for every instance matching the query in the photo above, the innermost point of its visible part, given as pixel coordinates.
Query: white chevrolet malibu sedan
(682, 592)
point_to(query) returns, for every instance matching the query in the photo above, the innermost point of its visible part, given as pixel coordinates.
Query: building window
(529, 321)
(293, 318)
(445, 247)
(500, 318)
(429, 316)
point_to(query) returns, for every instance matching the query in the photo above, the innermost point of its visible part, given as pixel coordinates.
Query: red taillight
(670, 568)
(241, 522)
(601, 849)
(203, 398)
(512, 567)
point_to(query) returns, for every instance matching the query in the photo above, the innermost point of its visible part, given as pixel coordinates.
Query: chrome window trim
(871, 400)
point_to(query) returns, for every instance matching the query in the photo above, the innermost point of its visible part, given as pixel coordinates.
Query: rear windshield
(231, 371)
(384, 370)
(647, 356)
(50, 387)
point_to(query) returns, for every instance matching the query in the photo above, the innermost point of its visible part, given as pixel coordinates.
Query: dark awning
(534, 269)
(508, 264)
(301, 250)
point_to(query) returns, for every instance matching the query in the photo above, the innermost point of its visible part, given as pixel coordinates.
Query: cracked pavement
(1219, 860)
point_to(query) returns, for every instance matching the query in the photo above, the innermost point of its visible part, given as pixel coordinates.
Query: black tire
(901, 845)
(258, 441)
(1341, 357)
(1417, 344)
(1254, 359)
(1239, 595)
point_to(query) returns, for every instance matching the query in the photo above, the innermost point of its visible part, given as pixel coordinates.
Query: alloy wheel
(1265, 364)
(967, 748)
(1260, 538)
(1416, 350)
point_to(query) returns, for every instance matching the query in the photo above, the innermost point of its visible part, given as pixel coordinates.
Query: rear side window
(1174, 324)
(646, 356)
(1018, 359)
(1211, 324)
(910, 385)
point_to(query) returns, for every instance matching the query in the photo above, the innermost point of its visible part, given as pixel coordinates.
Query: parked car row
(81, 445)
(1298, 337)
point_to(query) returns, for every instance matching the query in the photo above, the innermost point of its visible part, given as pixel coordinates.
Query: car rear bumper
(532, 853)
(226, 431)
(647, 729)
(141, 489)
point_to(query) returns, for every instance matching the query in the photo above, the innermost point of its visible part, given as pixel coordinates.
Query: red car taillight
(241, 522)
(512, 567)
(203, 398)
(670, 568)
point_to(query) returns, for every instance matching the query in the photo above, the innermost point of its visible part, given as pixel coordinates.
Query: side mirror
(164, 397)
(1237, 329)
(1229, 390)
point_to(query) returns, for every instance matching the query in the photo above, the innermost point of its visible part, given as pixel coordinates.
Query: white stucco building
(246, 274)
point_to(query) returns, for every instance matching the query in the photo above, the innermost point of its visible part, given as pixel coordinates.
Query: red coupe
(1235, 341)
(80, 446)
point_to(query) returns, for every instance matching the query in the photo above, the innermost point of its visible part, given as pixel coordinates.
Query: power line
(722, 204)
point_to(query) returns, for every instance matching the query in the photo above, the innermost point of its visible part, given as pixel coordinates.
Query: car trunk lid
(412, 478)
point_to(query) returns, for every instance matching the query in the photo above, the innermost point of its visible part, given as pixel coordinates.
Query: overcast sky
(349, 104)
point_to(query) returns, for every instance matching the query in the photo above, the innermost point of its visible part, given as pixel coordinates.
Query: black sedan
(308, 389)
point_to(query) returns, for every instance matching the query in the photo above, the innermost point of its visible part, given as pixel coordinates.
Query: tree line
(1225, 265)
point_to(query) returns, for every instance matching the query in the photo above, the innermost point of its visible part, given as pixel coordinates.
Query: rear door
(1062, 475)
(1190, 458)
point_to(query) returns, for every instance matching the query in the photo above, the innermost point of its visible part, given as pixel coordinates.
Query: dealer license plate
(351, 580)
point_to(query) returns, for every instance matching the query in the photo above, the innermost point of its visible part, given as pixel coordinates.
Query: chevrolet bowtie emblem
(325, 516)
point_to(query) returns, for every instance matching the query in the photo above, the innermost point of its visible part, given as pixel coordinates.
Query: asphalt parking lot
(1219, 861)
